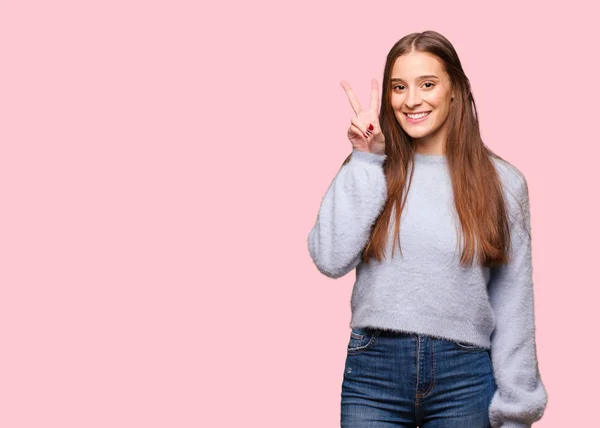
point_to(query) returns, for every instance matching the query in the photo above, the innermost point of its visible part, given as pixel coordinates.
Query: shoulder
(512, 179)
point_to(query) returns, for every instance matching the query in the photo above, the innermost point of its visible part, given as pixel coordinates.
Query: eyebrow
(427, 76)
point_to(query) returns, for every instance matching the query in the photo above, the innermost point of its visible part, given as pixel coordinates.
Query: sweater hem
(452, 330)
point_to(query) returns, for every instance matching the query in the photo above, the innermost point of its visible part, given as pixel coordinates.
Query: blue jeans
(397, 379)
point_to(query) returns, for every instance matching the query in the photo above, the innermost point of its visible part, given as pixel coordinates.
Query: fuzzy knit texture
(425, 290)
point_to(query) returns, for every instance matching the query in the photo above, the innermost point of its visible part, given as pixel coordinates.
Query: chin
(415, 132)
(417, 135)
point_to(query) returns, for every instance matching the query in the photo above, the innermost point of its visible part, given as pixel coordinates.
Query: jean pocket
(469, 347)
(361, 339)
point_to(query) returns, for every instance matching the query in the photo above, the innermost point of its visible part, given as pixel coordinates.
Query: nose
(413, 98)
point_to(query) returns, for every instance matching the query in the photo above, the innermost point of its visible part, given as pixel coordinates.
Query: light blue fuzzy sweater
(425, 290)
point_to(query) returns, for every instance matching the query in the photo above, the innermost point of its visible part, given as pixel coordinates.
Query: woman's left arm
(521, 397)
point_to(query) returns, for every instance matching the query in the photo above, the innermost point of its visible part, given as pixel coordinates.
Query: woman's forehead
(417, 65)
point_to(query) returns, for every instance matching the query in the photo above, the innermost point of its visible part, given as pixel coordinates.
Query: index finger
(374, 95)
(353, 101)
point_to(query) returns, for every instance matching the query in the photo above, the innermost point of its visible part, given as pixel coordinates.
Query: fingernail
(370, 126)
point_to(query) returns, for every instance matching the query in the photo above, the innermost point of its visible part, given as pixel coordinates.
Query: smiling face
(420, 84)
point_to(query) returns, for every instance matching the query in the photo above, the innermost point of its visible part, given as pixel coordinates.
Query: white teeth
(417, 116)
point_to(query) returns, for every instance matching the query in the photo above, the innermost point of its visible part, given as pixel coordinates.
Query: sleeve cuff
(514, 425)
(368, 157)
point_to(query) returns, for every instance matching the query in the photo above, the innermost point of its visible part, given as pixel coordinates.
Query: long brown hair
(478, 195)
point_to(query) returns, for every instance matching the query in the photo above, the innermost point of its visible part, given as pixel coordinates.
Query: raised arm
(356, 196)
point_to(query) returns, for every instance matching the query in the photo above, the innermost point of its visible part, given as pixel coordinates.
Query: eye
(426, 83)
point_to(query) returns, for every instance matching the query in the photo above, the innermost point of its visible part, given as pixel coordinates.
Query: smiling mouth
(417, 115)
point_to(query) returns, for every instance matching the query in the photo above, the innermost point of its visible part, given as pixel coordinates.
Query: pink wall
(162, 164)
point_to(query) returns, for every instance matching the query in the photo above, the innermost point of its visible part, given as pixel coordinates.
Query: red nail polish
(370, 126)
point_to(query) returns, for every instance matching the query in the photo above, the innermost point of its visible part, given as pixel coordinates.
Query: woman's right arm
(349, 209)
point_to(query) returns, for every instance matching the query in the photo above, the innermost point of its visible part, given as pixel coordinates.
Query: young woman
(438, 229)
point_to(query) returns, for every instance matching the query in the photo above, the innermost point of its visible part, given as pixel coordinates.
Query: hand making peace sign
(364, 132)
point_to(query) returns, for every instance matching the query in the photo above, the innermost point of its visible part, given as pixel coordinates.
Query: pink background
(162, 164)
